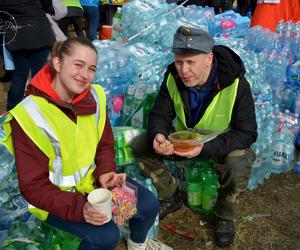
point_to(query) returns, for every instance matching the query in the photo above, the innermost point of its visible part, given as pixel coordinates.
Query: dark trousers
(92, 15)
(77, 23)
(234, 172)
(233, 177)
(106, 237)
(25, 61)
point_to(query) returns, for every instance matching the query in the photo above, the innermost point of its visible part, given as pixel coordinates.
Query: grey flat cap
(191, 40)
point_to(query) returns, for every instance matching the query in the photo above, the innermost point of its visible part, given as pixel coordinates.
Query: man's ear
(210, 58)
(56, 62)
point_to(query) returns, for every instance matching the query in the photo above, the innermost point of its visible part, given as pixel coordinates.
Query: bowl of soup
(183, 141)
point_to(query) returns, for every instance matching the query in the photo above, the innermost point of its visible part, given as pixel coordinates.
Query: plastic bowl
(183, 141)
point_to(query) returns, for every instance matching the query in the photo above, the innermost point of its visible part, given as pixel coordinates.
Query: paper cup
(101, 199)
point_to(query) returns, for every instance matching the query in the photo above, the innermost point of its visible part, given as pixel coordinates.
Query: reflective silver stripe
(34, 112)
(55, 177)
(70, 180)
(96, 97)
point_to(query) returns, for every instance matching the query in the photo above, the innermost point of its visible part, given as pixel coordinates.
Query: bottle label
(188, 23)
(194, 198)
(208, 201)
(280, 155)
(137, 119)
(139, 93)
(131, 90)
(140, 50)
(127, 106)
(147, 5)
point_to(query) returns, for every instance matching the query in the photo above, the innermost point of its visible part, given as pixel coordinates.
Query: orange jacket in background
(268, 15)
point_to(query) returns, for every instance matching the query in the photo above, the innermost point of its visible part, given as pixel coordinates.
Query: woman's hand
(161, 145)
(192, 153)
(93, 216)
(112, 179)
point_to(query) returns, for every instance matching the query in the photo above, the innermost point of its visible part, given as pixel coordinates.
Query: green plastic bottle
(116, 24)
(194, 195)
(194, 186)
(209, 196)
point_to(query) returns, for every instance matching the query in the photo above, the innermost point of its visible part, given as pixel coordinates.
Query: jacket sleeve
(34, 183)
(162, 114)
(243, 130)
(105, 153)
(47, 6)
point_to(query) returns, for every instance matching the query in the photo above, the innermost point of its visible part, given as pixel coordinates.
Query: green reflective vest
(217, 116)
(70, 147)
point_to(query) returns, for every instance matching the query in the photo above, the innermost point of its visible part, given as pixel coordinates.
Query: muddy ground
(268, 218)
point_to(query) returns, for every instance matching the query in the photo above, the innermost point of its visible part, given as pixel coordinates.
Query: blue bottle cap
(297, 168)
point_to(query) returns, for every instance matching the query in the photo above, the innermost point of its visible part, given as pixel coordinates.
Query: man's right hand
(162, 146)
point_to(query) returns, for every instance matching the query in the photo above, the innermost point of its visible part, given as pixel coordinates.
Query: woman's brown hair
(62, 48)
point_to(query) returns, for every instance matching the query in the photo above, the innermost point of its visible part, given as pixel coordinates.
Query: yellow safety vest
(217, 116)
(72, 3)
(70, 147)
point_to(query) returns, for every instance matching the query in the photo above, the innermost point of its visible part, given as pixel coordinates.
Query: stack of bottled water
(259, 39)
(140, 14)
(152, 233)
(13, 207)
(198, 17)
(231, 24)
(275, 143)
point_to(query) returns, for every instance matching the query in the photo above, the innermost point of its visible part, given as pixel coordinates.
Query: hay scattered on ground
(274, 208)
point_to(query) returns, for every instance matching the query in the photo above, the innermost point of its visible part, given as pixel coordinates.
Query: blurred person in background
(74, 17)
(244, 6)
(29, 42)
(91, 12)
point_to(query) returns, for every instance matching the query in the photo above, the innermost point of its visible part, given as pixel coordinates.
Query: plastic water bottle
(297, 140)
(280, 32)
(3, 236)
(209, 192)
(137, 110)
(154, 228)
(297, 167)
(7, 162)
(296, 42)
(279, 151)
(127, 107)
(117, 27)
(293, 73)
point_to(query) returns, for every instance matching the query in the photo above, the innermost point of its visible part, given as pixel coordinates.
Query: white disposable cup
(100, 199)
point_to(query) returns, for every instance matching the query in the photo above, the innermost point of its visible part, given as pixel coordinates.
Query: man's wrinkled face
(194, 69)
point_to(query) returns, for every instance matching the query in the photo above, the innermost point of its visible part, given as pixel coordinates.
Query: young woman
(64, 148)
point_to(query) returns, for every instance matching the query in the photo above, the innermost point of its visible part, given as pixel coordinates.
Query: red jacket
(32, 163)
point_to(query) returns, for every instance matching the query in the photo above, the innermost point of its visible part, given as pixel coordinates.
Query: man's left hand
(192, 153)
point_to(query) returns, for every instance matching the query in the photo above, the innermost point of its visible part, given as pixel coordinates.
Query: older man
(203, 90)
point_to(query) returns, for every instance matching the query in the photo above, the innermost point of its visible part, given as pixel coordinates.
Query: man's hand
(161, 145)
(192, 153)
(93, 216)
(112, 179)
